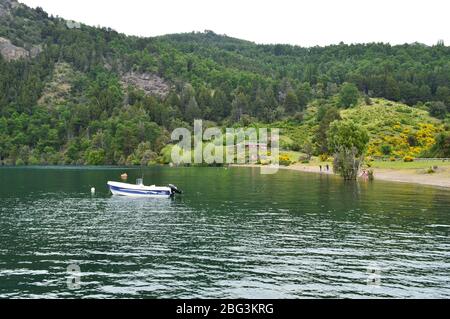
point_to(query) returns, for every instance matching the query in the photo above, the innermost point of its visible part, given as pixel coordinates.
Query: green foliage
(391, 123)
(291, 104)
(347, 135)
(347, 163)
(68, 103)
(166, 155)
(386, 149)
(348, 142)
(348, 96)
(438, 109)
(95, 157)
(325, 116)
(441, 148)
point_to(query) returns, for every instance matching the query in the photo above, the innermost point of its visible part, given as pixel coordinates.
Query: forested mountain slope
(75, 94)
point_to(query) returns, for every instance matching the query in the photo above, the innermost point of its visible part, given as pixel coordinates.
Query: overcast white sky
(305, 23)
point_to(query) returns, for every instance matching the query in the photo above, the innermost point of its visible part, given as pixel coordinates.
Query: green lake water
(233, 234)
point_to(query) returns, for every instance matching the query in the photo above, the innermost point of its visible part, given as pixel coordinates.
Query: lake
(233, 234)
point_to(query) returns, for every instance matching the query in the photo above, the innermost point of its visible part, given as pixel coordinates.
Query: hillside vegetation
(395, 129)
(75, 94)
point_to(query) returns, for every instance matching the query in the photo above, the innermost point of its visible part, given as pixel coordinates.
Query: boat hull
(122, 189)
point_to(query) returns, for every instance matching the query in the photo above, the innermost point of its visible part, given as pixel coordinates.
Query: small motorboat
(140, 190)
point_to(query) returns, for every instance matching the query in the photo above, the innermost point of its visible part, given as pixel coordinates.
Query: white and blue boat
(140, 190)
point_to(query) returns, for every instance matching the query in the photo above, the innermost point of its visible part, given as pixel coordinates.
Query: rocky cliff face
(8, 50)
(151, 84)
(6, 6)
(11, 52)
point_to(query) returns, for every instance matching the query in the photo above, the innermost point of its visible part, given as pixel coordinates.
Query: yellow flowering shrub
(425, 135)
(373, 149)
(284, 159)
(408, 158)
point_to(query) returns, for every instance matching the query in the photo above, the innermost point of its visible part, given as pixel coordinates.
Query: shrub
(323, 157)
(412, 140)
(32, 160)
(284, 160)
(95, 157)
(386, 149)
(408, 158)
(298, 117)
(392, 159)
(442, 146)
(308, 149)
(295, 147)
(346, 162)
(165, 155)
(348, 96)
(437, 109)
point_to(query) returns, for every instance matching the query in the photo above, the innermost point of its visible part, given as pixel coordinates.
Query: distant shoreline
(440, 178)
(412, 176)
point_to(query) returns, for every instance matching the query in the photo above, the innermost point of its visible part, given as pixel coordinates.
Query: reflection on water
(234, 233)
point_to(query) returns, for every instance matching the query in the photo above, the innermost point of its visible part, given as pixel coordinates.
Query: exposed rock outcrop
(10, 52)
(6, 6)
(150, 83)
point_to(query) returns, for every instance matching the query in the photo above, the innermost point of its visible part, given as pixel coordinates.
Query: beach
(440, 178)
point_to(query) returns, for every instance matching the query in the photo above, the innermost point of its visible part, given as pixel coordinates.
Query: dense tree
(192, 110)
(88, 115)
(437, 109)
(325, 116)
(348, 96)
(347, 141)
(291, 104)
(239, 106)
(304, 95)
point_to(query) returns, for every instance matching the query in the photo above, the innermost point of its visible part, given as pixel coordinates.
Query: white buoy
(93, 190)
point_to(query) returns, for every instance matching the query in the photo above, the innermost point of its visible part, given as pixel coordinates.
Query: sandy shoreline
(440, 178)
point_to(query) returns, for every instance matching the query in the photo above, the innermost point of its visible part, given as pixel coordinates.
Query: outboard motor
(175, 189)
